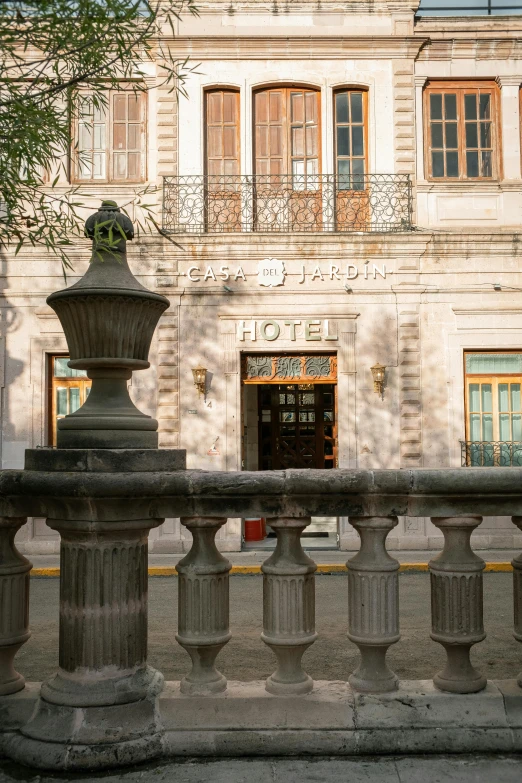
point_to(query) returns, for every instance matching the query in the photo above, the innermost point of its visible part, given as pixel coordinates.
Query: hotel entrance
(290, 421)
(296, 426)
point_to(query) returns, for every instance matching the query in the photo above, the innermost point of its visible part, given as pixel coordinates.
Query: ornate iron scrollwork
(288, 367)
(317, 367)
(223, 204)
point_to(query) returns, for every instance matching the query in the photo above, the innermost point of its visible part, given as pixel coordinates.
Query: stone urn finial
(108, 318)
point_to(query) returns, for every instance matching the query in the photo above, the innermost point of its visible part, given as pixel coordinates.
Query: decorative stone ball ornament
(108, 318)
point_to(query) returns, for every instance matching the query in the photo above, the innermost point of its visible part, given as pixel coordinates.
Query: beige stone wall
(437, 297)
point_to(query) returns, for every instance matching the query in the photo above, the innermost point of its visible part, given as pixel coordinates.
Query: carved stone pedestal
(14, 604)
(456, 604)
(99, 708)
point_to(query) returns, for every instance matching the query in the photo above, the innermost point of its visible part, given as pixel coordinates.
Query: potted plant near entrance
(108, 318)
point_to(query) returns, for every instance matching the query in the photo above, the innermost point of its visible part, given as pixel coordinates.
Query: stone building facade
(341, 187)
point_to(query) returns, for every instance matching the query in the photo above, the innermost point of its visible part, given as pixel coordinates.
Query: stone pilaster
(404, 116)
(14, 604)
(168, 380)
(289, 606)
(510, 113)
(517, 594)
(373, 604)
(410, 386)
(456, 604)
(203, 606)
(167, 129)
(419, 82)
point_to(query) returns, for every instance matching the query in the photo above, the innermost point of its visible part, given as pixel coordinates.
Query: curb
(334, 568)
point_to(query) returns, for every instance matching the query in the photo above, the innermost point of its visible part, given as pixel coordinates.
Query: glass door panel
(70, 389)
(494, 420)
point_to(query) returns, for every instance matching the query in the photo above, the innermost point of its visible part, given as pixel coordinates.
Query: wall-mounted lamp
(378, 373)
(200, 379)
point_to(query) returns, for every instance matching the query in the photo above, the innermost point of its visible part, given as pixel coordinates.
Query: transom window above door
(287, 134)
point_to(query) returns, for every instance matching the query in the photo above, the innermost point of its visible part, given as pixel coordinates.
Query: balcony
(490, 454)
(281, 204)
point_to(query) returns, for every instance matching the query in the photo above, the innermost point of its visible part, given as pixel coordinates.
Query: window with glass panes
(68, 390)
(461, 131)
(287, 135)
(493, 397)
(111, 138)
(350, 138)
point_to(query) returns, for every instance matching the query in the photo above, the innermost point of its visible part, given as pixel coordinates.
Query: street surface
(425, 769)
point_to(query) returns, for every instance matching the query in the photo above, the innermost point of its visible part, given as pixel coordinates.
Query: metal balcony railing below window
(491, 454)
(228, 204)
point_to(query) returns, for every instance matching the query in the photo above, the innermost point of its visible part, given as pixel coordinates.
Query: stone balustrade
(105, 706)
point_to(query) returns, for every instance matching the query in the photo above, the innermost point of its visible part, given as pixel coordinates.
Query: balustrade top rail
(312, 203)
(184, 493)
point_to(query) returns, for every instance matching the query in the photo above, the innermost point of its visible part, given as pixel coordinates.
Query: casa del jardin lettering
(271, 272)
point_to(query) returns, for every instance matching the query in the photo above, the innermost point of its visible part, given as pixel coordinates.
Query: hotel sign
(309, 329)
(271, 272)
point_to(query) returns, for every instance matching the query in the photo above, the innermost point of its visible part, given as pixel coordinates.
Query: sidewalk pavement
(428, 769)
(328, 561)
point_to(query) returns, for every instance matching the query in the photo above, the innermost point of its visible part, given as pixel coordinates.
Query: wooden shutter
(128, 134)
(222, 133)
(287, 132)
(270, 132)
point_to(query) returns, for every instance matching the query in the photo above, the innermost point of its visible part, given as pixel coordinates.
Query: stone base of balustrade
(78, 738)
(333, 720)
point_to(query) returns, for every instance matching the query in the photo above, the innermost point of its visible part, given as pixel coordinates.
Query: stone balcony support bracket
(373, 604)
(289, 607)
(456, 604)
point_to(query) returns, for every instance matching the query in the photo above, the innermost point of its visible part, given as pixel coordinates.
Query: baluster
(289, 606)
(517, 594)
(373, 604)
(14, 604)
(203, 606)
(456, 604)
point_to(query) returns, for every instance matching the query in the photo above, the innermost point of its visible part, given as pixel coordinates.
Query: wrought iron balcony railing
(228, 204)
(491, 454)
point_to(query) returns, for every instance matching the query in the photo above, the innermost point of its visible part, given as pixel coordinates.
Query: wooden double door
(297, 426)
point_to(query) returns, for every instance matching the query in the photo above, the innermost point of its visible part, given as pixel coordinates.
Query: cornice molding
(293, 7)
(297, 47)
(473, 48)
(509, 81)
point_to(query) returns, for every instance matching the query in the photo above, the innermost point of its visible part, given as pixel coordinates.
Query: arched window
(351, 131)
(222, 132)
(222, 163)
(287, 134)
